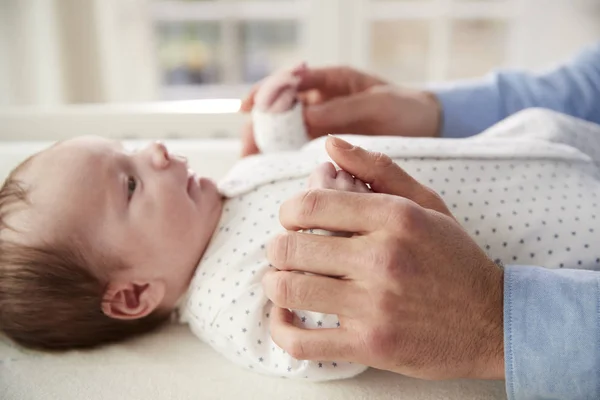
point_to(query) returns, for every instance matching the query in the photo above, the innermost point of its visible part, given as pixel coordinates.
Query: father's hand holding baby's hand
(413, 292)
(345, 100)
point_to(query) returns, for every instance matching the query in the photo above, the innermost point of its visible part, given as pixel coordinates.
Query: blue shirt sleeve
(573, 88)
(551, 333)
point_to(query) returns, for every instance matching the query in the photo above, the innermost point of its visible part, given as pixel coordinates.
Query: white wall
(127, 60)
(30, 53)
(5, 90)
(549, 31)
(63, 51)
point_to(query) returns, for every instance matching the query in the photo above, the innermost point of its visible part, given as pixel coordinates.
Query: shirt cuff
(551, 333)
(468, 107)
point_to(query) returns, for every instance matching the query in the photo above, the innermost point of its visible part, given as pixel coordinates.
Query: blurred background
(56, 52)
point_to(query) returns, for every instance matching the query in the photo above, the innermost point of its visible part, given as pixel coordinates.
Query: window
(217, 48)
(209, 48)
(413, 41)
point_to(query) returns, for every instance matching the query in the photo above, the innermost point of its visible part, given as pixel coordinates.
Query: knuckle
(278, 250)
(378, 257)
(435, 201)
(296, 349)
(384, 168)
(385, 259)
(395, 207)
(408, 217)
(309, 204)
(378, 342)
(282, 292)
(386, 303)
(382, 160)
(287, 292)
(435, 197)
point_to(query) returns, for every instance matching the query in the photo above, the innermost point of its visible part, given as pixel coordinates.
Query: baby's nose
(179, 157)
(160, 155)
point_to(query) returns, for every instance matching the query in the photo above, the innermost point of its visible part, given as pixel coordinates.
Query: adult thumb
(347, 114)
(382, 174)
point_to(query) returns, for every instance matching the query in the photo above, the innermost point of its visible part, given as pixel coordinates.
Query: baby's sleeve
(241, 333)
(282, 131)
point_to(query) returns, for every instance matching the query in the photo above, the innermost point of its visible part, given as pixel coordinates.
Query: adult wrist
(490, 360)
(435, 114)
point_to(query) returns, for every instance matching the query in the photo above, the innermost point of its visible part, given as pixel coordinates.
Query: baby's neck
(214, 229)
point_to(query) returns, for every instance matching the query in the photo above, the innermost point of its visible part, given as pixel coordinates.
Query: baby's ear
(132, 300)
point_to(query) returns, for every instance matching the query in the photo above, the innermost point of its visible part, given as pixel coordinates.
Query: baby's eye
(131, 185)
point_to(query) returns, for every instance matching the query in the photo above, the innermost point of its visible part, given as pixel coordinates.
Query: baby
(98, 244)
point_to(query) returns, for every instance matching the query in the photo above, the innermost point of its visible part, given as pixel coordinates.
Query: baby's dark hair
(50, 297)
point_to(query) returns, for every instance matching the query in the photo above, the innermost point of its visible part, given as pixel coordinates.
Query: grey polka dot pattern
(226, 306)
(526, 191)
(274, 132)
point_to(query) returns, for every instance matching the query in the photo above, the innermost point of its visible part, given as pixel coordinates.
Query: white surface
(180, 119)
(173, 364)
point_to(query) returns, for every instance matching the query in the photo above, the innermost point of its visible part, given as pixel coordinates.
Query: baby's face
(144, 207)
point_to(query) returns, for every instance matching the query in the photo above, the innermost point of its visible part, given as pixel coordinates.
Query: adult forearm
(573, 88)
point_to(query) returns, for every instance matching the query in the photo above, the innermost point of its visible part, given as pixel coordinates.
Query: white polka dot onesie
(526, 190)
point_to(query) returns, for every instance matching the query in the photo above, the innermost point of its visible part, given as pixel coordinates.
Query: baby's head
(97, 243)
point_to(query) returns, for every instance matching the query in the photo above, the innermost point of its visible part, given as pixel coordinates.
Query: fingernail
(340, 144)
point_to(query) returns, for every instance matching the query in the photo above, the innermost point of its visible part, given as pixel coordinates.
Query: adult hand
(344, 100)
(413, 292)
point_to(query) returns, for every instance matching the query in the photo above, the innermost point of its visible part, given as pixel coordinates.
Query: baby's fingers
(344, 181)
(347, 182)
(322, 177)
(361, 187)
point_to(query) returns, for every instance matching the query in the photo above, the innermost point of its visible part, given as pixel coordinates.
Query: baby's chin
(209, 188)
(207, 184)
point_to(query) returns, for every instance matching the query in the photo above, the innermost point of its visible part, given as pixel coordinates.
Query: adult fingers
(329, 81)
(338, 211)
(337, 81)
(348, 114)
(383, 174)
(311, 292)
(310, 344)
(318, 254)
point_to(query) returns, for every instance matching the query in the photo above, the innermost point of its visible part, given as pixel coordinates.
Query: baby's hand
(278, 92)
(325, 176)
